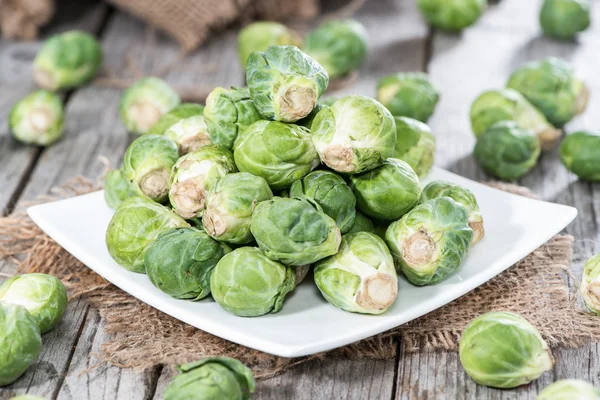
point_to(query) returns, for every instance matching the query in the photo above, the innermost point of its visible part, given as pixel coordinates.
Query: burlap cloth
(539, 288)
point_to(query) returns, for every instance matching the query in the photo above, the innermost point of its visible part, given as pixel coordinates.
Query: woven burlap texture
(538, 287)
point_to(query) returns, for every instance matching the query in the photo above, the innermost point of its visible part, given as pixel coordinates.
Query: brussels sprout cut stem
(38, 118)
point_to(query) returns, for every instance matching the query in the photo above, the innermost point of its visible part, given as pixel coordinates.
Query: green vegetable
(408, 95)
(590, 284)
(249, 284)
(258, 36)
(430, 241)
(285, 83)
(387, 192)
(361, 277)
(182, 111)
(117, 188)
(361, 224)
(415, 144)
(217, 378)
(580, 153)
(27, 397)
(506, 151)
(144, 102)
(44, 296)
(38, 118)
(569, 389)
(332, 193)
(67, 60)
(134, 226)
(280, 153)
(563, 19)
(294, 231)
(190, 134)
(452, 15)
(354, 135)
(503, 350)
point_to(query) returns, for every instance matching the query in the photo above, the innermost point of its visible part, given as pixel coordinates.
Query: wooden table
(460, 65)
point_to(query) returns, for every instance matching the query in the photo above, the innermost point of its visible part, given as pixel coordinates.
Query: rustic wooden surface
(460, 65)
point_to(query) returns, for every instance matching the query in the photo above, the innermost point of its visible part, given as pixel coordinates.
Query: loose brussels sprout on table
(415, 144)
(354, 135)
(569, 389)
(44, 296)
(285, 83)
(361, 277)
(190, 134)
(67, 60)
(38, 118)
(430, 241)
(452, 15)
(590, 284)
(503, 350)
(408, 95)
(580, 153)
(117, 188)
(176, 114)
(260, 35)
(247, 283)
(563, 19)
(507, 151)
(361, 224)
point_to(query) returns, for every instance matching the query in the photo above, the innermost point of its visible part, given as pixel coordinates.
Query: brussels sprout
(340, 46)
(361, 277)
(144, 102)
(278, 152)
(415, 144)
(285, 83)
(20, 341)
(332, 193)
(551, 86)
(67, 60)
(258, 36)
(117, 188)
(44, 296)
(503, 350)
(38, 118)
(569, 389)
(495, 106)
(361, 224)
(134, 226)
(147, 165)
(430, 241)
(190, 134)
(590, 284)
(507, 151)
(27, 397)
(387, 192)
(247, 283)
(168, 119)
(452, 15)
(228, 112)
(294, 231)
(230, 204)
(462, 196)
(408, 95)
(354, 135)
(181, 260)
(563, 19)
(194, 175)
(580, 153)
(216, 378)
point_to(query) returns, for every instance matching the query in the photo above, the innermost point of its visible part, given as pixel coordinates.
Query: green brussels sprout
(189, 134)
(280, 153)
(144, 102)
(38, 118)
(247, 283)
(230, 204)
(590, 284)
(361, 277)
(135, 225)
(285, 83)
(147, 165)
(354, 135)
(44, 296)
(258, 36)
(294, 231)
(361, 224)
(181, 260)
(117, 188)
(551, 86)
(495, 106)
(507, 151)
(452, 15)
(194, 175)
(580, 153)
(415, 144)
(340, 46)
(67, 60)
(168, 119)
(408, 95)
(228, 112)
(569, 389)
(27, 397)
(563, 19)
(430, 241)
(20, 341)
(387, 192)
(216, 378)
(462, 196)
(332, 193)
(503, 350)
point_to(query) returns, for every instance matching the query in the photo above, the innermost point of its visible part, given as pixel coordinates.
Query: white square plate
(307, 324)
